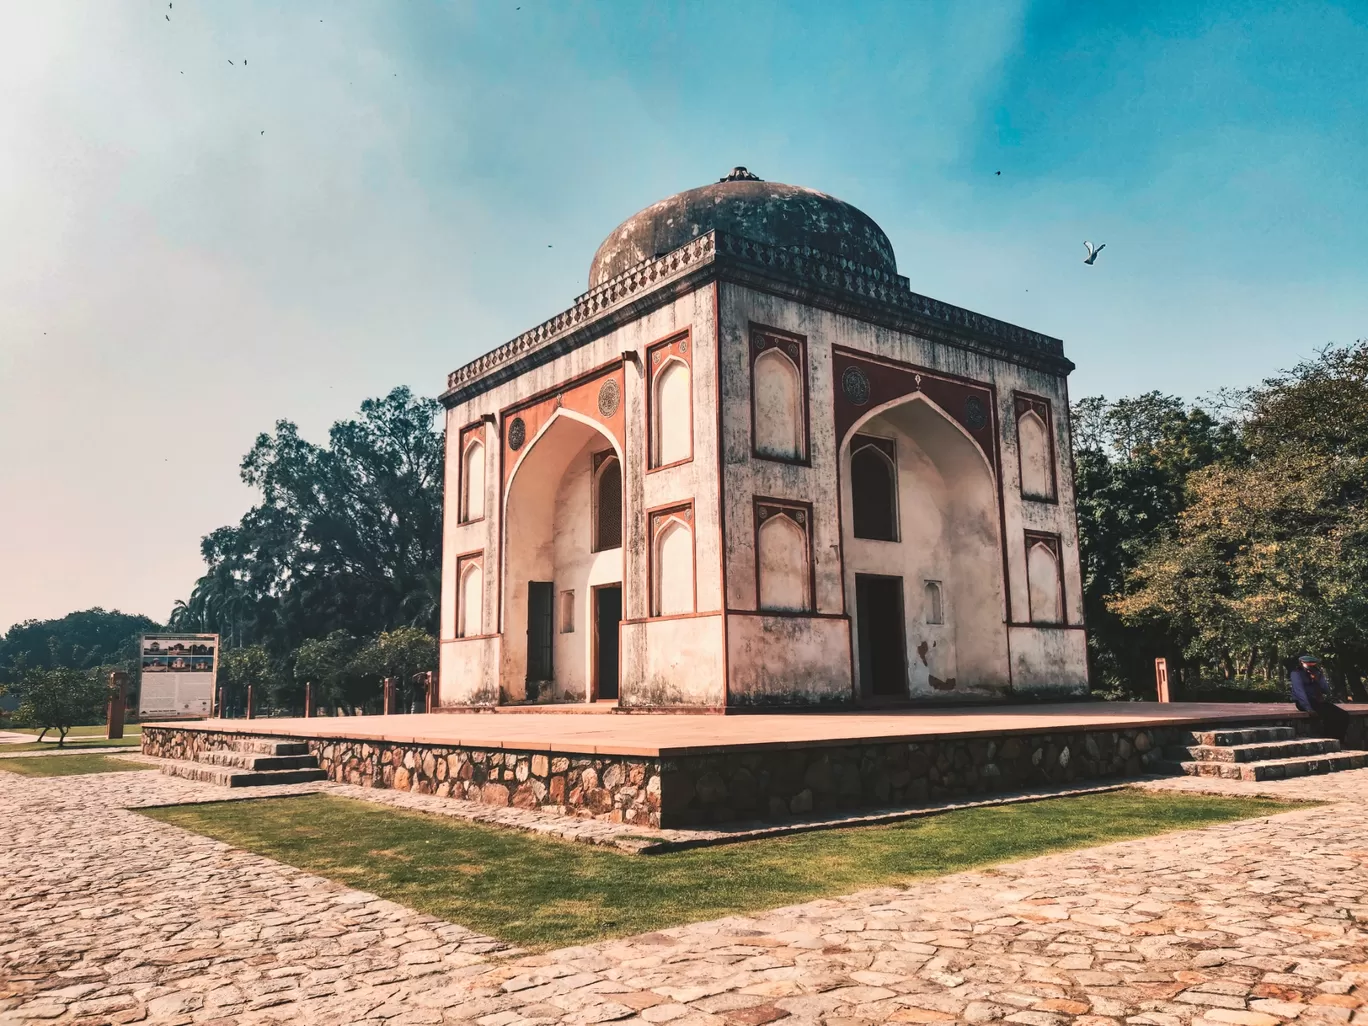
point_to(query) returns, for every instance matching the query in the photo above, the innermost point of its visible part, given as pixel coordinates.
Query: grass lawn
(537, 892)
(73, 744)
(69, 765)
(78, 738)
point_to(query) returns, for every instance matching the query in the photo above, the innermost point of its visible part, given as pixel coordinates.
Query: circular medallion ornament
(683, 345)
(517, 434)
(609, 396)
(975, 413)
(855, 385)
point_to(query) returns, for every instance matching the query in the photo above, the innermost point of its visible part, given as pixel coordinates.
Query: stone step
(268, 746)
(1262, 752)
(1277, 769)
(247, 760)
(226, 777)
(1239, 736)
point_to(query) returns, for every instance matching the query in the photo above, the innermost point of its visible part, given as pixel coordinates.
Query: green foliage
(61, 698)
(1269, 555)
(1263, 553)
(1132, 459)
(250, 666)
(330, 665)
(402, 654)
(346, 537)
(81, 640)
(538, 892)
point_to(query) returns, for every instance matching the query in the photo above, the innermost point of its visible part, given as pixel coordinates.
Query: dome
(741, 204)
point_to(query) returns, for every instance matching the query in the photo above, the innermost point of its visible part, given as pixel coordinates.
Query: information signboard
(177, 675)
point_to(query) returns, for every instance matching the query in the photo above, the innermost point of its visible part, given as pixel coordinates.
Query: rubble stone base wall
(802, 781)
(705, 789)
(622, 789)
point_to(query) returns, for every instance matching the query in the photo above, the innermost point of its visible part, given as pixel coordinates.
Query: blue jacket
(1309, 687)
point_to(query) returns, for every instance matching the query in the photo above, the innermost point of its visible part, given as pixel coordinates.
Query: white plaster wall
(1049, 659)
(788, 660)
(817, 483)
(468, 669)
(673, 662)
(695, 480)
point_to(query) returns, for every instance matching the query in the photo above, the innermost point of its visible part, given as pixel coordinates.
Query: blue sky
(382, 192)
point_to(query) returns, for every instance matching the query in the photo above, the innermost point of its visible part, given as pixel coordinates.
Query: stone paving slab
(107, 916)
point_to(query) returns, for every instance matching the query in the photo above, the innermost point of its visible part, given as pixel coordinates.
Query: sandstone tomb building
(750, 468)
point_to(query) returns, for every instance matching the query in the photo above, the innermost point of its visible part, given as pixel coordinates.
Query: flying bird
(234, 65)
(997, 172)
(1092, 253)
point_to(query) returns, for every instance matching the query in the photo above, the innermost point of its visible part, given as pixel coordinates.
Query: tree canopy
(346, 537)
(1229, 545)
(81, 640)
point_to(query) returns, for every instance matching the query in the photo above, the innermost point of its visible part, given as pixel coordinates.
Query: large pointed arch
(948, 494)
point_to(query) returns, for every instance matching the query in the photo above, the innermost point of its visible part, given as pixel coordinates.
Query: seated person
(1311, 693)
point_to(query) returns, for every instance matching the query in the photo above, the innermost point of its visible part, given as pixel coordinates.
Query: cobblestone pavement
(108, 916)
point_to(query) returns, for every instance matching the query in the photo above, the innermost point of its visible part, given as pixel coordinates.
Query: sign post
(308, 699)
(118, 705)
(389, 696)
(1161, 680)
(177, 676)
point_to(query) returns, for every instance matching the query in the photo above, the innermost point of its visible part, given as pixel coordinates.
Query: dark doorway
(883, 651)
(607, 615)
(540, 599)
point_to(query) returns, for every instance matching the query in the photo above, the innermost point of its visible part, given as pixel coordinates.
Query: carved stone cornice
(811, 276)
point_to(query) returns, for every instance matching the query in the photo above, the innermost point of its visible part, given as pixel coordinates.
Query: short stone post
(118, 705)
(428, 683)
(1161, 681)
(251, 704)
(222, 703)
(308, 700)
(389, 696)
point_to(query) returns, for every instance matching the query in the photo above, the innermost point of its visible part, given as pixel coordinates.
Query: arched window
(782, 561)
(671, 416)
(472, 481)
(1042, 577)
(470, 599)
(1033, 445)
(874, 489)
(778, 406)
(607, 502)
(935, 603)
(673, 576)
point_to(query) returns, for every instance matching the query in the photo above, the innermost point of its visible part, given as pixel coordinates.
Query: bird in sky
(1092, 253)
(997, 172)
(234, 65)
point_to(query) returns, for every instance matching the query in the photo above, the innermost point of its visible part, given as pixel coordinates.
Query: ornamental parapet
(875, 290)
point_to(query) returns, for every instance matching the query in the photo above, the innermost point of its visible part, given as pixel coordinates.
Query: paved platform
(664, 736)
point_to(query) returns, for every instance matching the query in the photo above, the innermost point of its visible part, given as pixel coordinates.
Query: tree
(61, 698)
(347, 536)
(241, 668)
(1270, 555)
(80, 640)
(329, 664)
(1132, 459)
(402, 653)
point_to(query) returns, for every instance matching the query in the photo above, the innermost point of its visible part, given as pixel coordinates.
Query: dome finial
(740, 174)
